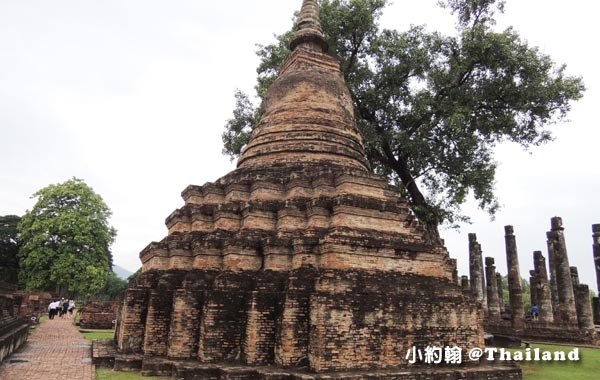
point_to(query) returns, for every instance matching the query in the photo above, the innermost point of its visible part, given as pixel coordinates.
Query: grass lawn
(587, 368)
(98, 334)
(109, 374)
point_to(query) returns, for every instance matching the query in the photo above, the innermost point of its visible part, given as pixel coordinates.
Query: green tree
(9, 248)
(431, 107)
(113, 288)
(66, 240)
(525, 289)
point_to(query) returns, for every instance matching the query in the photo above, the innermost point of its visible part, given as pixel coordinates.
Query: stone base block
(546, 332)
(12, 336)
(103, 353)
(128, 363)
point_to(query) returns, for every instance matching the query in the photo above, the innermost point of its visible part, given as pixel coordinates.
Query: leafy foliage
(113, 288)
(525, 290)
(432, 107)
(9, 248)
(66, 240)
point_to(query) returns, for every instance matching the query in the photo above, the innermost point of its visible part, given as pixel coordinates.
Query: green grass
(109, 374)
(587, 368)
(98, 334)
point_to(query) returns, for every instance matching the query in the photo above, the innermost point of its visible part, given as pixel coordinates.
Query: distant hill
(121, 272)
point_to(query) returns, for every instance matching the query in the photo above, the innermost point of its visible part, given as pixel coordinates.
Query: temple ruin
(565, 311)
(300, 263)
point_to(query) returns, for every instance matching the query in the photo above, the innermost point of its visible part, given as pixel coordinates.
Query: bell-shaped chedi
(308, 112)
(300, 260)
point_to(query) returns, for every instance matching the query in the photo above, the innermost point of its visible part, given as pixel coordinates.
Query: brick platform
(104, 353)
(56, 350)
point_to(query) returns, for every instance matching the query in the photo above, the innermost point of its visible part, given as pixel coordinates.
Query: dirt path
(55, 350)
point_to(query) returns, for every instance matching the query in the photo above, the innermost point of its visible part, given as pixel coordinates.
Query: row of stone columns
(596, 249)
(556, 290)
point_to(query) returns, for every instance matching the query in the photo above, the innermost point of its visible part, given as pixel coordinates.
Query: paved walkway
(55, 350)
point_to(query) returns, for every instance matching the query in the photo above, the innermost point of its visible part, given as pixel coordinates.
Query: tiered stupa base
(303, 324)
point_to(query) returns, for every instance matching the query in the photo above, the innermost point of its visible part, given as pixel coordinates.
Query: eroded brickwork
(476, 272)
(301, 259)
(514, 280)
(596, 252)
(99, 314)
(542, 288)
(494, 309)
(566, 311)
(13, 327)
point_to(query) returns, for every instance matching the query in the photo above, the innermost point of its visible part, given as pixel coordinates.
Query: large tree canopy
(431, 107)
(9, 248)
(66, 240)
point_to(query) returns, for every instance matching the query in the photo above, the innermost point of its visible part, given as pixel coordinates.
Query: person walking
(52, 309)
(535, 312)
(65, 307)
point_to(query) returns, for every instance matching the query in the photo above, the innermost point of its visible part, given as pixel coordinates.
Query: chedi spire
(308, 28)
(308, 114)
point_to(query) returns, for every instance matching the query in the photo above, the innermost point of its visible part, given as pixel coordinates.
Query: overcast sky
(131, 96)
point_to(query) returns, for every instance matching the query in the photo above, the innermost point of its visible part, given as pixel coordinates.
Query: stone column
(492, 289)
(552, 281)
(567, 311)
(596, 248)
(596, 310)
(500, 291)
(585, 318)
(533, 288)
(543, 294)
(464, 283)
(574, 275)
(476, 271)
(455, 271)
(514, 280)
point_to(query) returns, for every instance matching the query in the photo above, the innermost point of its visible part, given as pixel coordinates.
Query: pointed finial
(309, 30)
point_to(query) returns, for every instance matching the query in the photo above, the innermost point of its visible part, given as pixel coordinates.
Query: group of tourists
(60, 308)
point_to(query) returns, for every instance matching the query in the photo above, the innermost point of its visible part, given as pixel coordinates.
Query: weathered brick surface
(545, 332)
(33, 304)
(300, 261)
(13, 327)
(542, 288)
(99, 314)
(566, 311)
(596, 310)
(492, 289)
(514, 280)
(585, 318)
(476, 272)
(596, 252)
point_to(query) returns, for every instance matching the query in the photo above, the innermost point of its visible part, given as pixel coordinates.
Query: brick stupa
(301, 263)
